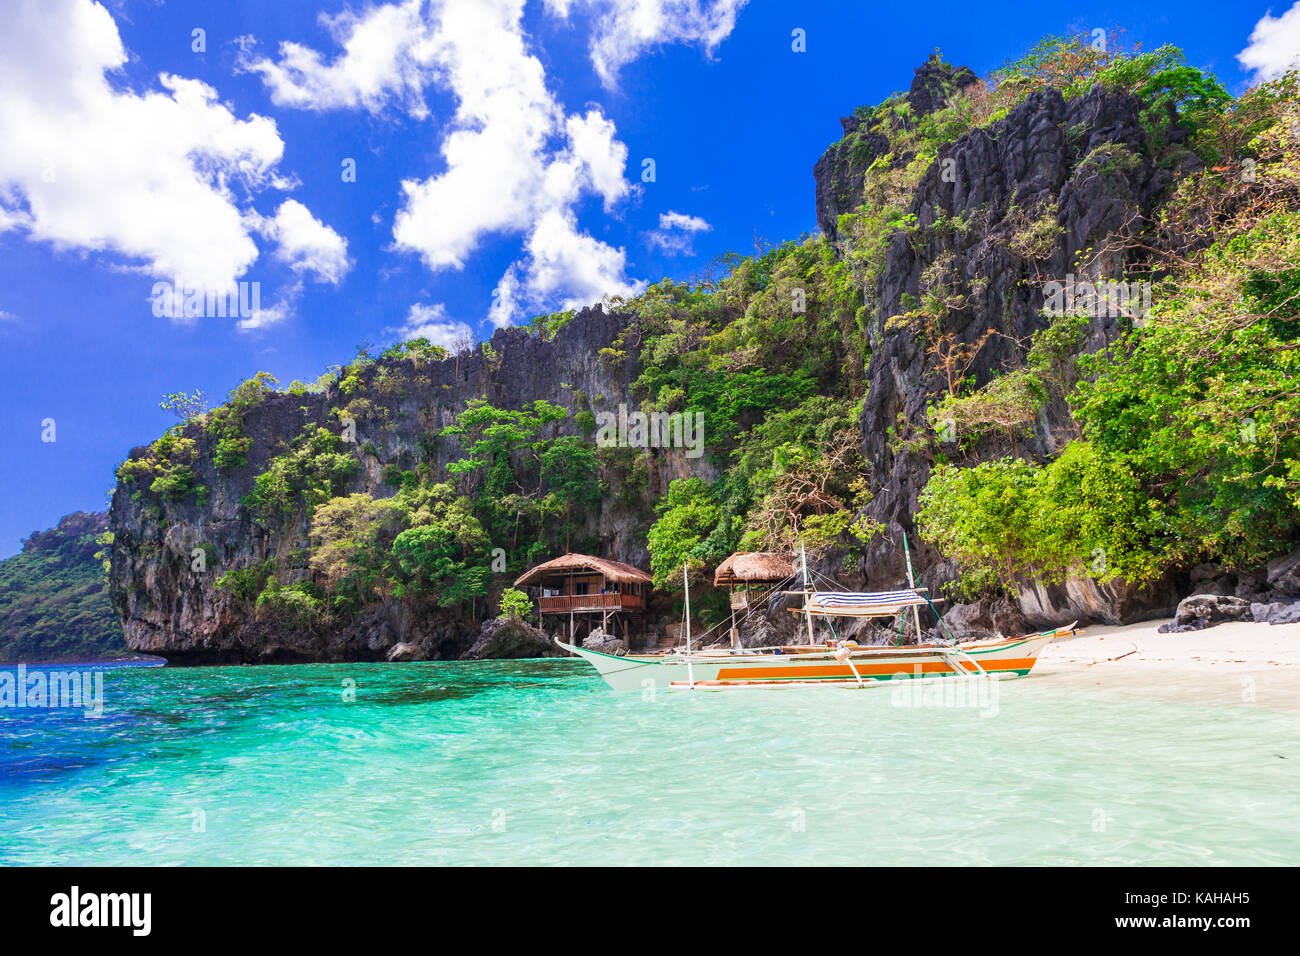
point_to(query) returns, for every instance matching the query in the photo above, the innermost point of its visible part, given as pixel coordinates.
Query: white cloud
(267, 316)
(88, 165)
(306, 244)
(680, 220)
(431, 322)
(603, 158)
(505, 299)
(1274, 45)
(516, 163)
(626, 29)
(564, 262)
(497, 151)
(12, 218)
(676, 231)
(387, 58)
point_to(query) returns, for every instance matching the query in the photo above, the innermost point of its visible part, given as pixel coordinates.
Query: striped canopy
(863, 603)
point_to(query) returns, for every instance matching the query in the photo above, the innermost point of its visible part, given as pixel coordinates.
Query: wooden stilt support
(735, 637)
(911, 583)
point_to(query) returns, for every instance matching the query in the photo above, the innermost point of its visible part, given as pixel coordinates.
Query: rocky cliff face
(839, 173)
(1079, 162)
(1077, 165)
(171, 609)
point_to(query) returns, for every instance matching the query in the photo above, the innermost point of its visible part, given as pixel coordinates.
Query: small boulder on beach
(1199, 611)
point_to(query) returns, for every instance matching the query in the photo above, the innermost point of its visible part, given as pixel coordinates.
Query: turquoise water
(535, 762)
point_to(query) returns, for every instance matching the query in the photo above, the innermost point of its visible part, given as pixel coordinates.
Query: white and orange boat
(832, 664)
(844, 664)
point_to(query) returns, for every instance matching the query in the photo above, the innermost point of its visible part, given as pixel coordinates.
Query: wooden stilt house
(582, 585)
(748, 575)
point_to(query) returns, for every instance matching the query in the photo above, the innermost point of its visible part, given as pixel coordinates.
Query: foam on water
(537, 762)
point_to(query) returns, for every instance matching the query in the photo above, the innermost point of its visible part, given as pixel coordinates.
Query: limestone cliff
(171, 609)
(1072, 175)
(1079, 162)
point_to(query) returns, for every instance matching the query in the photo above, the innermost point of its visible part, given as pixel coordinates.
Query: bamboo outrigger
(833, 663)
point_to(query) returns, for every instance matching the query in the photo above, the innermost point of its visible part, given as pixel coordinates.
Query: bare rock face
(934, 82)
(509, 638)
(1200, 611)
(1284, 573)
(768, 633)
(984, 620)
(1083, 598)
(1048, 157)
(839, 173)
(1276, 612)
(171, 610)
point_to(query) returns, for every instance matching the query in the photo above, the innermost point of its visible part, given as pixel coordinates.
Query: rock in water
(405, 652)
(604, 643)
(506, 637)
(211, 617)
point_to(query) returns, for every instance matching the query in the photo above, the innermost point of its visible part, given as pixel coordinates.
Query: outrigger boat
(829, 664)
(844, 664)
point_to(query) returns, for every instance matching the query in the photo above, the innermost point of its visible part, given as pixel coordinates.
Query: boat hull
(1011, 657)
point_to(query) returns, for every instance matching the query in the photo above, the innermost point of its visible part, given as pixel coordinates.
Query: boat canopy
(863, 603)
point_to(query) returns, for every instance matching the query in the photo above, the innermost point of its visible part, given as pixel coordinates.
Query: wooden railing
(564, 603)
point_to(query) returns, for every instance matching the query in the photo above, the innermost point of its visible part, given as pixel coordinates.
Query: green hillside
(54, 596)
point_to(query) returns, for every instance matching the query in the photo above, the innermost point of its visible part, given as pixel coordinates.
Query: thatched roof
(569, 563)
(753, 567)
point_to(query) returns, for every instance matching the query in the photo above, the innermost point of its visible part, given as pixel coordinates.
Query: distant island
(54, 601)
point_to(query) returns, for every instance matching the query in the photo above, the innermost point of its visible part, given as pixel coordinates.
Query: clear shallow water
(535, 762)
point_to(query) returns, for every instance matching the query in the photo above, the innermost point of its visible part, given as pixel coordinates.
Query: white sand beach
(1248, 664)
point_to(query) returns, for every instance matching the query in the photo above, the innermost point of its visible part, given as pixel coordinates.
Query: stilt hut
(580, 584)
(747, 575)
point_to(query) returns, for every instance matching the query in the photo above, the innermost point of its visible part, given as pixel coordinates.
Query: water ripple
(534, 762)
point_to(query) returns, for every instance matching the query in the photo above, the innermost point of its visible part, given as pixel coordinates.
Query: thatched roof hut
(577, 563)
(581, 584)
(753, 567)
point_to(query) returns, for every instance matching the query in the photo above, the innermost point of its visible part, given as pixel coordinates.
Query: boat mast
(911, 583)
(807, 588)
(686, 585)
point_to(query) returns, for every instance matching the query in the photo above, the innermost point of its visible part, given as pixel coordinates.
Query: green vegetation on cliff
(54, 596)
(1130, 448)
(1189, 425)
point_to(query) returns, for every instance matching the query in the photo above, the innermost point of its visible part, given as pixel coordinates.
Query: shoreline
(53, 662)
(1242, 663)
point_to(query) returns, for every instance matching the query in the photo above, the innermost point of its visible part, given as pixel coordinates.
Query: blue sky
(498, 148)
